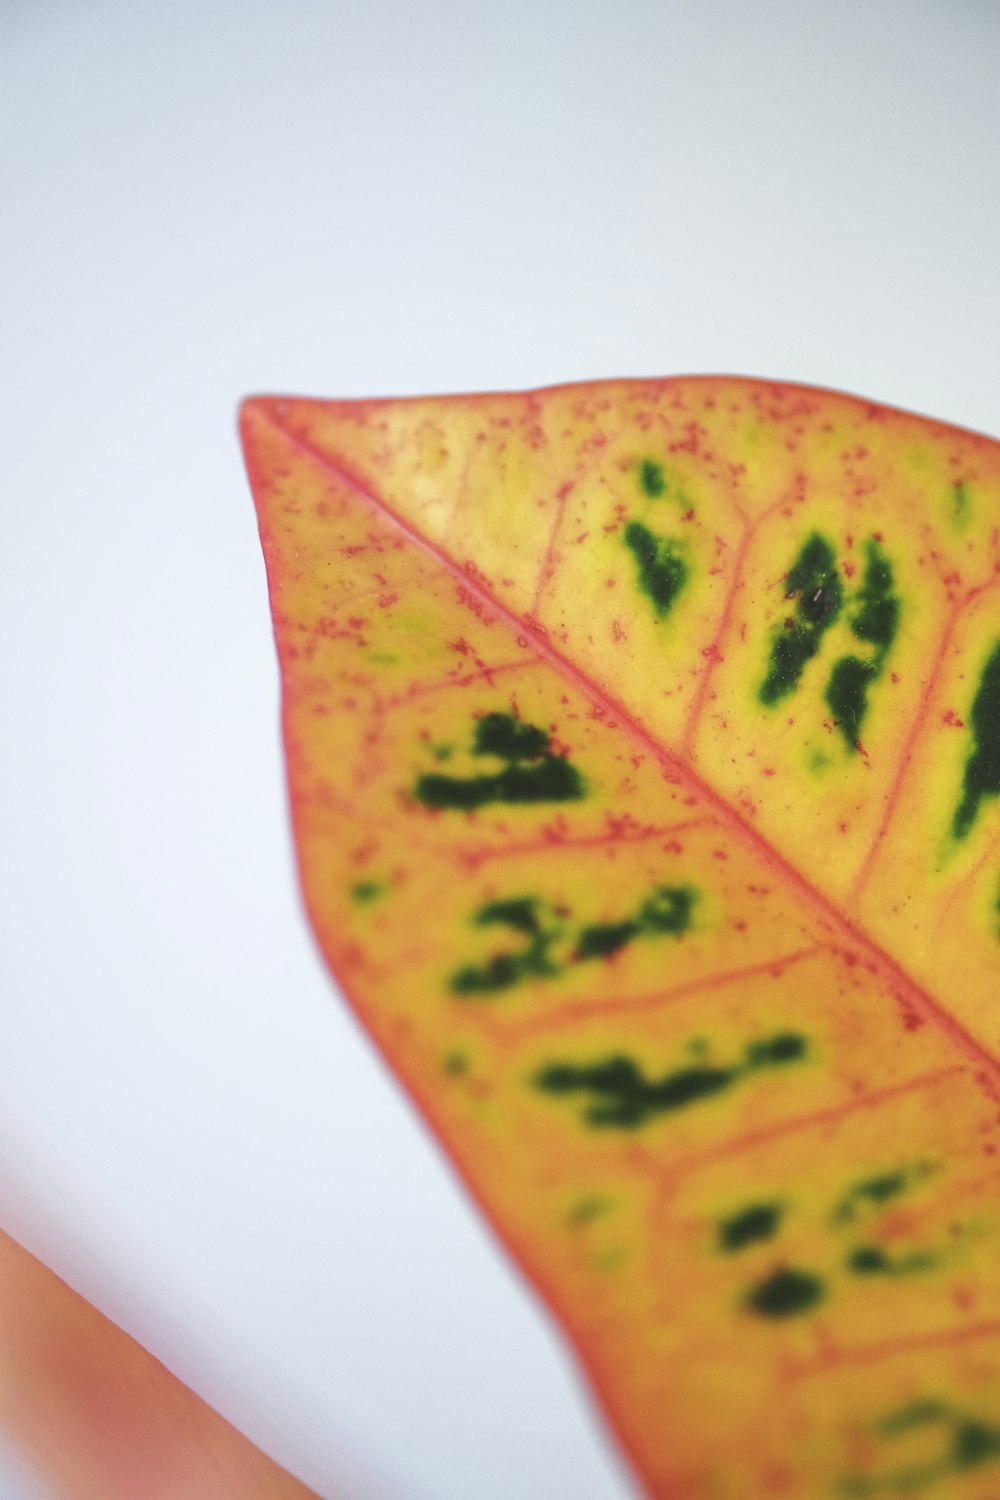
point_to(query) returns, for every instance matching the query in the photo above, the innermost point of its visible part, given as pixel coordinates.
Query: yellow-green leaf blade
(644, 994)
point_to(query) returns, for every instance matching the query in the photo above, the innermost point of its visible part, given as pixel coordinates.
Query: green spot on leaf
(786, 1294)
(661, 565)
(519, 912)
(604, 938)
(531, 774)
(786, 1047)
(585, 1211)
(872, 1260)
(668, 909)
(760, 1221)
(507, 737)
(501, 971)
(960, 505)
(974, 1443)
(366, 891)
(813, 581)
(652, 479)
(982, 770)
(917, 1414)
(875, 620)
(872, 1192)
(666, 912)
(624, 1098)
(847, 695)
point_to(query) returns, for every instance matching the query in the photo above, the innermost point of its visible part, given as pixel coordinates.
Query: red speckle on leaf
(474, 603)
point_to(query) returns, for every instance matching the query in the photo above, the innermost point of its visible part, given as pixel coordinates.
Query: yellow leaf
(644, 750)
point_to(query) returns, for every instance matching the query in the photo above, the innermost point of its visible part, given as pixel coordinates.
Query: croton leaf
(644, 750)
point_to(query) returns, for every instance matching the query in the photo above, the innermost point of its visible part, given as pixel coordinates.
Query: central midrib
(851, 932)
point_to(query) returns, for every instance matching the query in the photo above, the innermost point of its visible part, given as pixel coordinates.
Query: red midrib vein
(855, 935)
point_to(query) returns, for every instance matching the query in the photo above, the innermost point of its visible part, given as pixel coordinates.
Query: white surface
(203, 200)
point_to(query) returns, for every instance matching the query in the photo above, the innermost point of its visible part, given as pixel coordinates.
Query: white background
(202, 200)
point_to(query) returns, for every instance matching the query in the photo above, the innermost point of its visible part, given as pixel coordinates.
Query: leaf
(644, 750)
